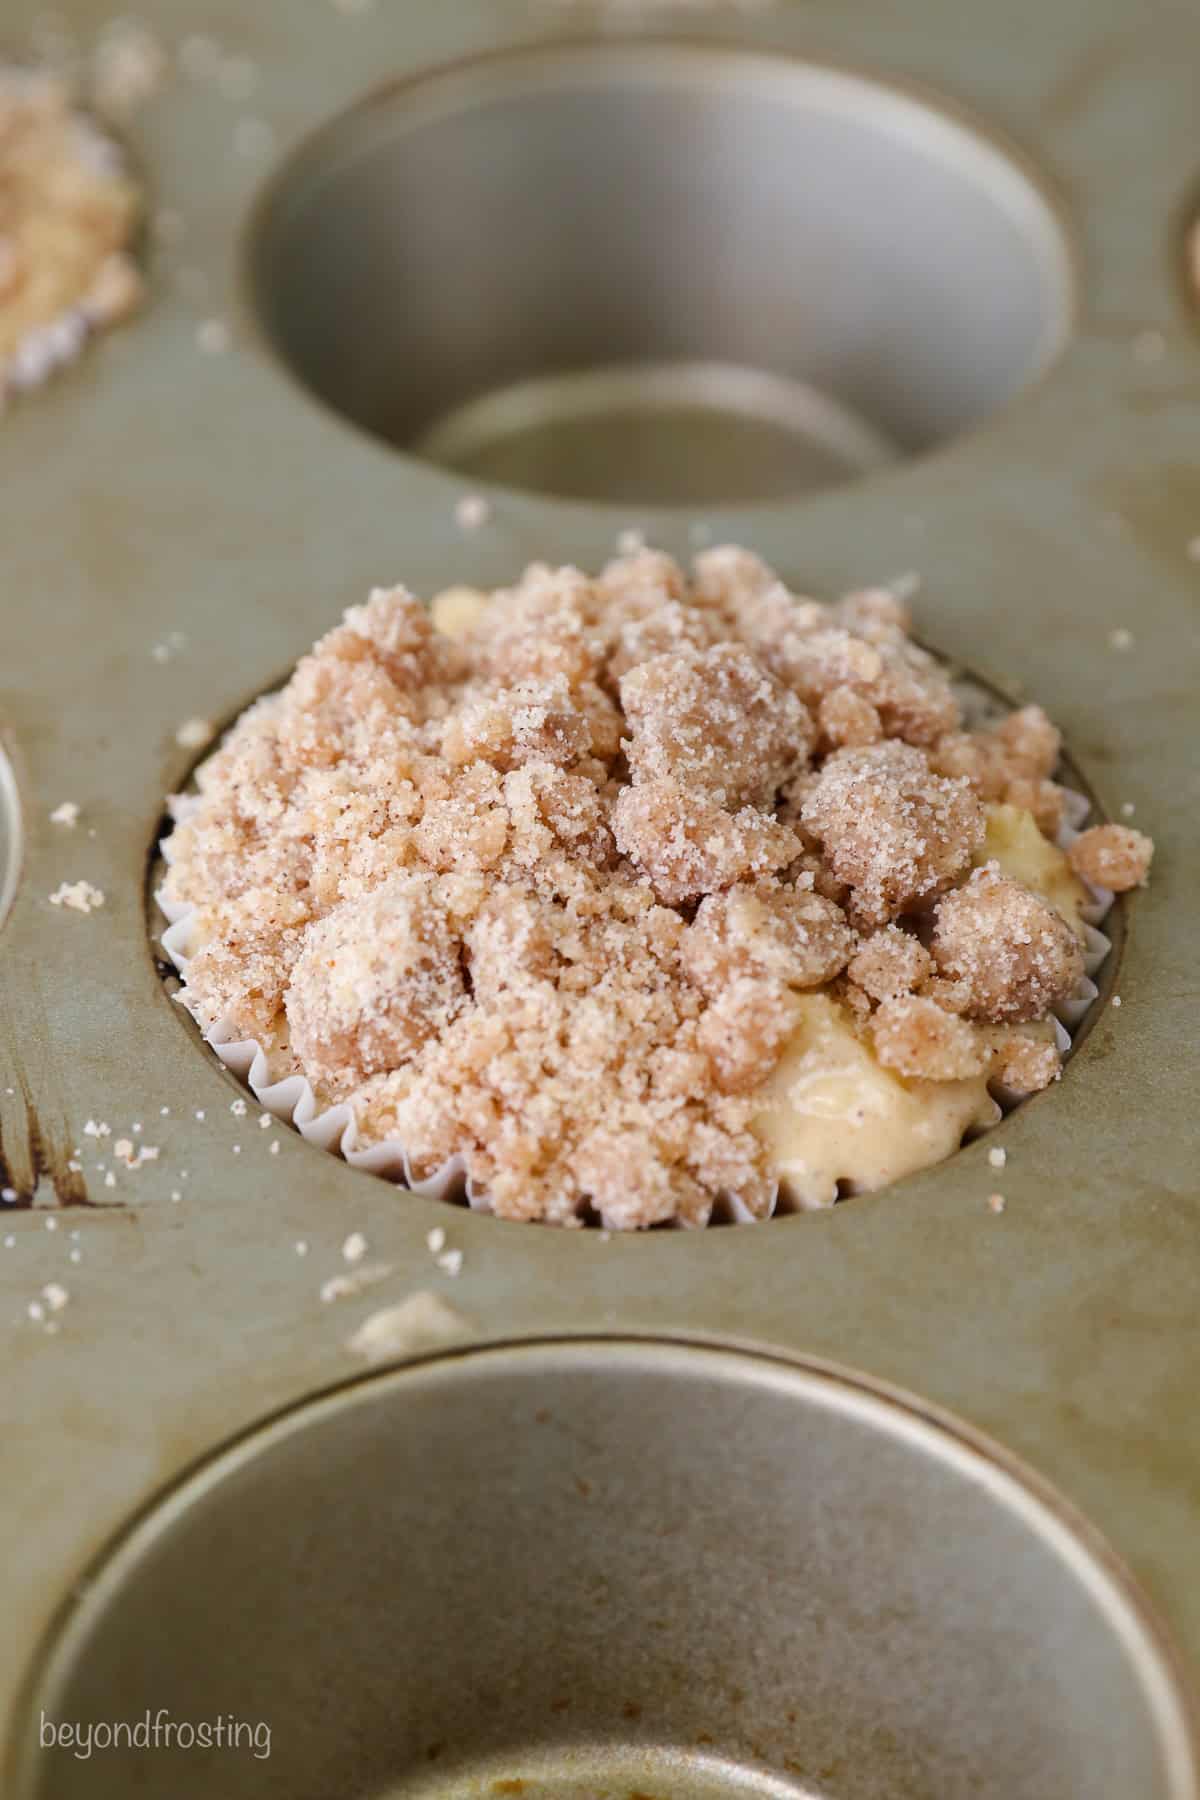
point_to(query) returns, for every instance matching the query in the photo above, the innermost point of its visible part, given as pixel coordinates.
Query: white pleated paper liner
(334, 1129)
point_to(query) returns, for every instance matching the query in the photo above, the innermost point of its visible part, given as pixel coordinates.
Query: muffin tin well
(845, 1599)
(714, 329)
(180, 517)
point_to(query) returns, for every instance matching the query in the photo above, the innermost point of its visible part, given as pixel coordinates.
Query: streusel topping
(541, 879)
(67, 213)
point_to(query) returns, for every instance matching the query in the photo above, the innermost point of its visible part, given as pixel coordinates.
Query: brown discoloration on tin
(1083, 81)
(38, 1155)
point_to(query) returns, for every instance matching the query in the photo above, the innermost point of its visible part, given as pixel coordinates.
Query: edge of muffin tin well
(1059, 1329)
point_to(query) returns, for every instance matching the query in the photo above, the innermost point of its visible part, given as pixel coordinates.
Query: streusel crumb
(1112, 856)
(1015, 954)
(895, 832)
(546, 881)
(915, 1037)
(890, 963)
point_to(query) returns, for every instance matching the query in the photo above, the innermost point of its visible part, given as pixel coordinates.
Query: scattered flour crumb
(436, 1240)
(9, 1241)
(355, 1247)
(213, 337)
(301, 1246)
(37, 1311)
(1121, 638)
(630, 541)
(51, 1224)
(176, 1196)
(97, 1128)
(996, 1202)
(130, 66)
(472, 512)
(194, 734)
(79, 896)
(238, 1108)
(265, 1122)
(1193, 548)
(75, 1255)
(55, 1295)
(451, 1261)
(110, 1179)
(997, 1158)
(67, 814)
(1116, 999)
(342, 1287)
(274, 1148)
(422, 1321)
(1127, 809)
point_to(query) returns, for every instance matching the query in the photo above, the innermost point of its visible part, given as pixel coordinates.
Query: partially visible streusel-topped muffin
(68, 211)
(645, 895)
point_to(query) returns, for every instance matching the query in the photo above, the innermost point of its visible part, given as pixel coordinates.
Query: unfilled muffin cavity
(650, 897)
(68, 212)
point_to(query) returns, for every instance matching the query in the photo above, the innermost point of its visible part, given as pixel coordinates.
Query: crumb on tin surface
(213, 337)
(195, 734)
(541, 891)
(78, 896)
(472, 512)
(421, 1321)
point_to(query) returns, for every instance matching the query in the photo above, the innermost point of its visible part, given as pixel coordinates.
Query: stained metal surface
(577, 1565)
(156, 489)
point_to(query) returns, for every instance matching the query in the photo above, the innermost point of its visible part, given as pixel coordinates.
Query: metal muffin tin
(795, 1509)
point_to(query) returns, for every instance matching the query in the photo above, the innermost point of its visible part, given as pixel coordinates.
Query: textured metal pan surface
(159, 490)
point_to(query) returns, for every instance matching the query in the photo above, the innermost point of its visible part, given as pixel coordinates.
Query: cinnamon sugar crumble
(1112, 856)
(542, 889)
